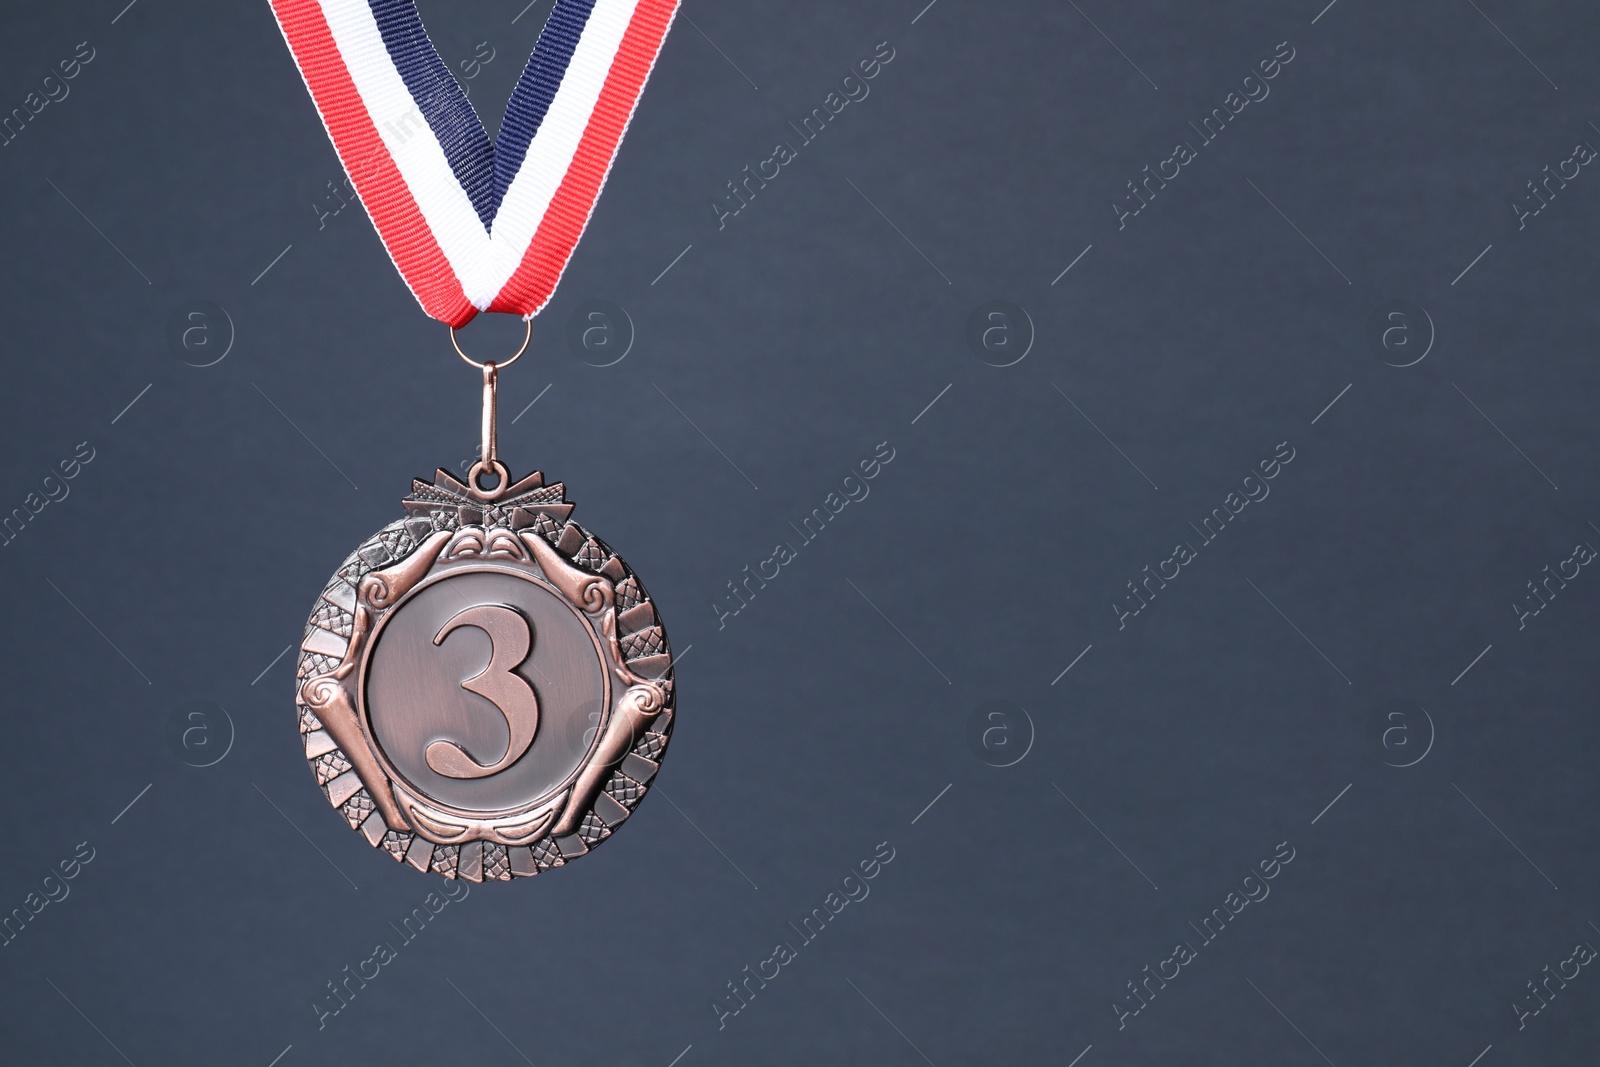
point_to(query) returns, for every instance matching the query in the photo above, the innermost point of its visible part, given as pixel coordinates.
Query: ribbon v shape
(473, 224)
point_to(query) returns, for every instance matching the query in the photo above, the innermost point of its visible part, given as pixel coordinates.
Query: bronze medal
(484, 687)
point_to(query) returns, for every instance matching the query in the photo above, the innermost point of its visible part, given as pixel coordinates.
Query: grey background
(826, 716)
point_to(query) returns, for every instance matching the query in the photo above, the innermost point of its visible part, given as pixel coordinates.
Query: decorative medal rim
(525, 523)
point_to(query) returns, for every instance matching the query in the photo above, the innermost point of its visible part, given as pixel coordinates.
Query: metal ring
(502, 366)
(494, 467)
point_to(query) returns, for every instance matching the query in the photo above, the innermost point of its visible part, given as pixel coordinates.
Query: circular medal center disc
(461, 673)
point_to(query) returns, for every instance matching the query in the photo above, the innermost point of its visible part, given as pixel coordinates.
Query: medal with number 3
(485, 689)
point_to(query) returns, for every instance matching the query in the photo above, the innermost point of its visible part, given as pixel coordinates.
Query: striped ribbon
(473, 224)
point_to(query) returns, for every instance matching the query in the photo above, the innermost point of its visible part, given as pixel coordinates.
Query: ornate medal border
(527, 525)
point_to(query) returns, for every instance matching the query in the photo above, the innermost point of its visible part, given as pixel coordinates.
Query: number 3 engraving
(510, 639)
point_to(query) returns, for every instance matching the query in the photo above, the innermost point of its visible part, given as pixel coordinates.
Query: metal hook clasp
(489, 461)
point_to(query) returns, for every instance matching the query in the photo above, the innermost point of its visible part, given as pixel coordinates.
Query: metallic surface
(419, 699)
(485, 688)
(510, 639)
(489, 460)
(491, 431)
